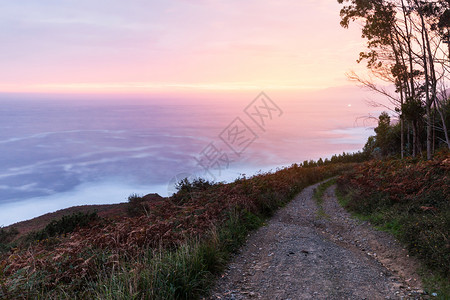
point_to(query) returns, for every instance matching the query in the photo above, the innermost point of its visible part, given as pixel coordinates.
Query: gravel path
(300, 254)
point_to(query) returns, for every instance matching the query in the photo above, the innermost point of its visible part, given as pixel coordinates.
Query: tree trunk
(429, 132)
(414, 147)
(433, 145)
(444, 127)
(428, 73)
(408, 138)
(402, 137)
(418, 142)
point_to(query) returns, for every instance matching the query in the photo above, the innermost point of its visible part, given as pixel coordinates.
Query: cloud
(145, 145)
(104, 192)
(350, 135)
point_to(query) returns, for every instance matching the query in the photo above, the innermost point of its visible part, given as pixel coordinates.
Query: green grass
(343, 198)
(179, 274)
(435, 283)
(422, 232)
(185, 270)
(377, 219)
(318, 197)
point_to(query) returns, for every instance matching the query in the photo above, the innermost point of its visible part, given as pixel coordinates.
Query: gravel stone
(301, 255)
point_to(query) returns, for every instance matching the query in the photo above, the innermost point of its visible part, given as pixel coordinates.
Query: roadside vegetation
(401, 192)
(318, 196)
(409, 198)
(56, 228)
(7, 235)
(170, 248)
(174, 248)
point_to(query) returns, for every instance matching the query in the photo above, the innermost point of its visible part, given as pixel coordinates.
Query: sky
(137, 46)
(169, 77)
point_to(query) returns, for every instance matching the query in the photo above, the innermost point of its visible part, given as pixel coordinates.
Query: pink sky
(112, 46)
(212, 56)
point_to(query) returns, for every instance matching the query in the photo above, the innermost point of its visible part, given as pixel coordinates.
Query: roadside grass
(409, 199)
(435, 283)
(378, 219)
(187, 272)
(318, 197)
(174, 251)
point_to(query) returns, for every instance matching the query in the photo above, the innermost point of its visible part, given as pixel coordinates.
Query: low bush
(187, 190)
(64, 225)
(7, 235)
(137, 206)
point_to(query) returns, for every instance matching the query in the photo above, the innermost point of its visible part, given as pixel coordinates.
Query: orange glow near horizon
(150, 88)
(105, 98)
(171, 48)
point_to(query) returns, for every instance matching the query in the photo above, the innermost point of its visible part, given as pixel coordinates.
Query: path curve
(301, 255)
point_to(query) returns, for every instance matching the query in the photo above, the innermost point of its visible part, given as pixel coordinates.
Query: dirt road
(300, 254)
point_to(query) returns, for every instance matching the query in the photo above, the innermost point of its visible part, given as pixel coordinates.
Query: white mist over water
(57, 154)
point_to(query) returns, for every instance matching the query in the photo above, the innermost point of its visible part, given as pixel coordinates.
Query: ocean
(60, 153)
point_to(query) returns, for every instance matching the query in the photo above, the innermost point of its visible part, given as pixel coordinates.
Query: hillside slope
(409, 198)
(177, 245)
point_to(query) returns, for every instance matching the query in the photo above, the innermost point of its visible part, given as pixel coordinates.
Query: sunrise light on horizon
(220, 149)
(97, 93)
(152, 46)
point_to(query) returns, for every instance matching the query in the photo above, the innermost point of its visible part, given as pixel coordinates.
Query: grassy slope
(169, 253)
(38, 223)
(410, 199)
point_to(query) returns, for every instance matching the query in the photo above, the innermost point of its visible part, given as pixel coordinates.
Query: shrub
(409, 198)
(66, 224)
(137, 206)
(187, 190)
(7, 235)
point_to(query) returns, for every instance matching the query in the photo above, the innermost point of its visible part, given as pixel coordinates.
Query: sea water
(57, 154)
